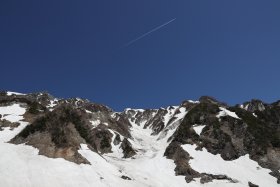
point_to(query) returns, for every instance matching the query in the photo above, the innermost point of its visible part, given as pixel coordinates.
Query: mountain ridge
(66, 128)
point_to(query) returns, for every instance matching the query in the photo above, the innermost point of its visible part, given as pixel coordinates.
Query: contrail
(153, 30)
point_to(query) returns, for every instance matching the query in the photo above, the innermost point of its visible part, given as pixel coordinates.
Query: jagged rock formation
(59, 127)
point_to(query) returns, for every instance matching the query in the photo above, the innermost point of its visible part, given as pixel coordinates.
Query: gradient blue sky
(226, 49)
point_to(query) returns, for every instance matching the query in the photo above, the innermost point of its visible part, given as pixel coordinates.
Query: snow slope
(12, 113)
(225, 112)
(242, 169)
(14, 93)
(198, 128)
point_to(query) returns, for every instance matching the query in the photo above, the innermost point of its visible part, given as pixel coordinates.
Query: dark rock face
(100, 139)
(262, 138)
(252, 185)
(152, 119)
(205, 178)
(157, 122)
(181, 158)
(254, 105)
(120, 124)
(5, 123)
(212, 100)
(200, 114)
(125, 177)
(128, 151)
(276, 174)
(117, 139)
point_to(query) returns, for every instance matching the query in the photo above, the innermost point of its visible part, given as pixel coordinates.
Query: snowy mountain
(49, 142)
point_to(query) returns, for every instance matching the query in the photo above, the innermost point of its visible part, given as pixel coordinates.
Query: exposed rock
(188, 105)
(100, 138)
(117, 139)
(157, 122)
(254, 105)
(56, 135)
(128, 151)
(3, 93)
(125, 177)
(228, 136)
(181, 158)
(205, 178)
(208, 99)
(120, 124)
(252, 185)
(276, 174)
(5, 123)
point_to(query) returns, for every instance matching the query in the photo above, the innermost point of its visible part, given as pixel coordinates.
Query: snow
(242, 169)
(149, 167)
(137, 110)
(169, 115)
(21, 166)
(171, 128)
(12, 113)
(14, 93)
(182, 113)
(225, 112)
(89, 112)
(8, 134)
(117, 152)
(95, 123)
(114, 115)
(52, 104)
(198, 128)
(191, 101)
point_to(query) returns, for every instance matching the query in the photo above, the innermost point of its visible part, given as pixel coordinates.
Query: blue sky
(226, 49)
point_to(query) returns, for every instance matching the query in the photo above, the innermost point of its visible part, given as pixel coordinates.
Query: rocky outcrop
(254, 105)
(276, 174)
(229, 136)
(57, 134)
(128, 151)
(5, 123)
(205, 178)
(181, 158)
(252, 184)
